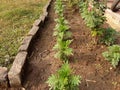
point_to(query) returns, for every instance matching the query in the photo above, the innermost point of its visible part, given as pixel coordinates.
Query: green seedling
(64, 79)
(113, 55)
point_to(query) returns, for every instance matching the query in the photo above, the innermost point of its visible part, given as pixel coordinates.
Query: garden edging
(13, 77)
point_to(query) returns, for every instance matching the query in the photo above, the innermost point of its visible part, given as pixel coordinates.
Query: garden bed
(87, 61)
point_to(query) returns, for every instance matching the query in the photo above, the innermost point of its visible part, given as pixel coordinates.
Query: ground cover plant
(109, 36)
(64, 79)
(113, 55)
(16, 19)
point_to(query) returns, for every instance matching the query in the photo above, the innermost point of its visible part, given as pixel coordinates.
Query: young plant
(72, 2)
(62, 26)
(63, 50)
(64, 79)
(108, 37)
(113, 55)
(93, 14)
(62, 34)
(59, 7)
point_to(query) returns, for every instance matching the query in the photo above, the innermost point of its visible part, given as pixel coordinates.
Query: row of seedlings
(62, 34)
(92, 11)
(63, 79)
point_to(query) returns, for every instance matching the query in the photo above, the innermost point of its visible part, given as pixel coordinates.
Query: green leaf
(64, 80)
(113, 55)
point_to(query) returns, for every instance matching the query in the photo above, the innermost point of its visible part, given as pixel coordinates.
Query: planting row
(92, 12)
(64, 79)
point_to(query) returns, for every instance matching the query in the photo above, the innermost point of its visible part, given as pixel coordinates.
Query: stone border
(113, 19)
(13, 77)
(3, 77)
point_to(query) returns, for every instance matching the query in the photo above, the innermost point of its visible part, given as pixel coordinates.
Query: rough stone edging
(3, 77)
(113, 19)
(14, 75)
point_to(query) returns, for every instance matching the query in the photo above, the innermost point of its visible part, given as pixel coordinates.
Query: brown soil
(96, 72)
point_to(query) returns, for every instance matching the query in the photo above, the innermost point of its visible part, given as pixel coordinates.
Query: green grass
(16, 19)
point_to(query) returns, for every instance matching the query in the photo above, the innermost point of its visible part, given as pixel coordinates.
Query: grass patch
(16, 19)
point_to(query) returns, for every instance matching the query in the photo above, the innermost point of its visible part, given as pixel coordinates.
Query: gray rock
(25, 44)
(3, 77)
(113, 19)
(14, 75)
(37, 23)
(34, 30)
(47, 6)
(43, 17)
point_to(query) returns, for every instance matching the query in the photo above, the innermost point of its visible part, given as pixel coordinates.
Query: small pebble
(111, 68)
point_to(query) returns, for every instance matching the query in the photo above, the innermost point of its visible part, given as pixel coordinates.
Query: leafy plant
(72, 2)
(62, 34)
(108, 36)
(61, 26)
(64, 80)
(93, 14)
(63, 49)
(59, 7)
(113, 55)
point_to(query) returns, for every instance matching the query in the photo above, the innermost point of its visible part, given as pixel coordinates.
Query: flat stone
(26, 42)
(34, 29)
(45, 9)
(14, 75)
(49, 1)
(113, 19)
(45, 14)
(3, 77)
(37, 23)
(43, 17)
